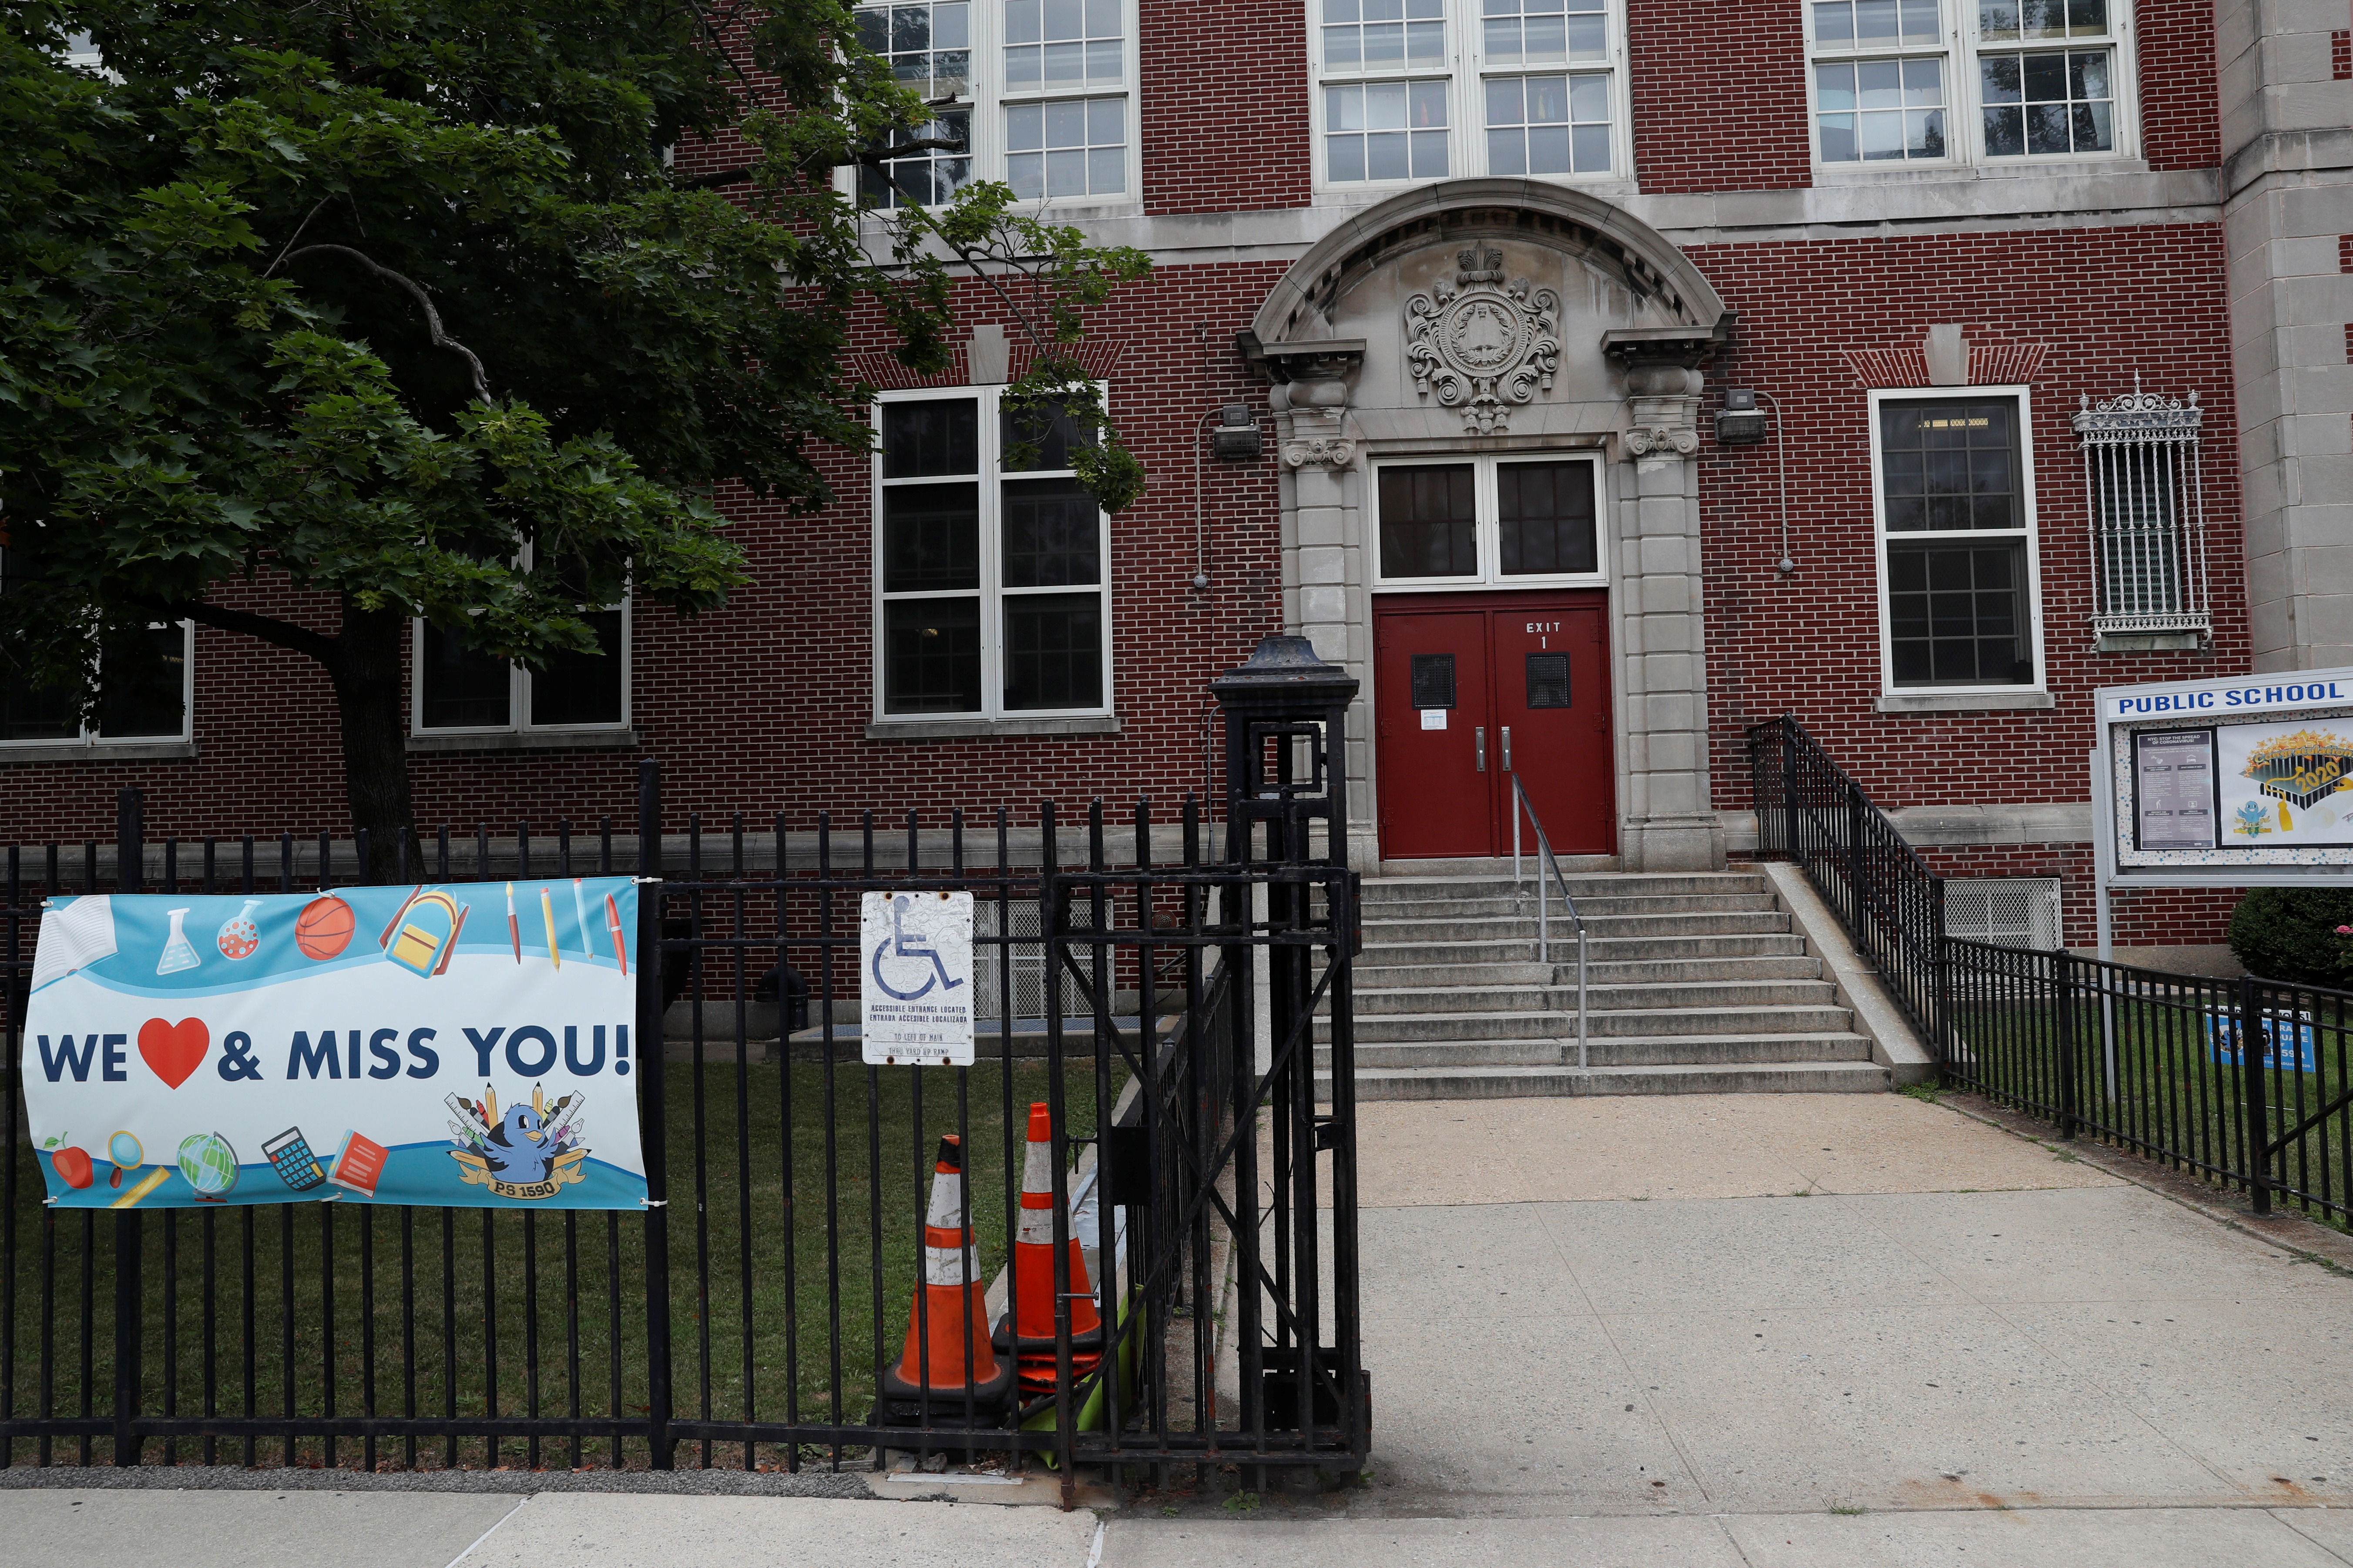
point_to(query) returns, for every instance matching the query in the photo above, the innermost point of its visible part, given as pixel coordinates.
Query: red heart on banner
(173, 1050)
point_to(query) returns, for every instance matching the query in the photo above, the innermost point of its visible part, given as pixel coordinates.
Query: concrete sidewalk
(1839, 1330)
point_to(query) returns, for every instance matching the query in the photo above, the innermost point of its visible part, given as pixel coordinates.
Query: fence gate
(1164, 994)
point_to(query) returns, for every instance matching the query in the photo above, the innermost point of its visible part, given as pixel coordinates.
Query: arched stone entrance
(1475, 330)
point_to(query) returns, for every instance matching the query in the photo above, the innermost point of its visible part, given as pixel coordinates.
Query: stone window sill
(526, 740)
(117, 752)
(1962, 702)
(1106, 724)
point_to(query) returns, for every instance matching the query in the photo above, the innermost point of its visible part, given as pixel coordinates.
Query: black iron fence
(1810, 813)
(2244, 1083)
(749, 1316)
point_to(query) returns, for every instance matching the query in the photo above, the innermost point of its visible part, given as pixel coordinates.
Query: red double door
(1470, 690)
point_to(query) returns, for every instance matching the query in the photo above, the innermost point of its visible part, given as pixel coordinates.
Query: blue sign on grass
(2222, 1041)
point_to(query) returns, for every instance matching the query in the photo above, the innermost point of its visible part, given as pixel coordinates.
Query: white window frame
(519, 689)
(991, 592)
(989, 95)
(1488, 532)
(1465, 71)
(87, 736)
(1880, 535)
(1962, 43)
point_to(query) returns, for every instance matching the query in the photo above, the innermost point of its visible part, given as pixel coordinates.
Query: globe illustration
(208, 1163)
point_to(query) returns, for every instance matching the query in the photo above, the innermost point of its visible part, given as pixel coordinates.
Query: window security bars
(2012, 912)
(2148, 529)
(748, 1314)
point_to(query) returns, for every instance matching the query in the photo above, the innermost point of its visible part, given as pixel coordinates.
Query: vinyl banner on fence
(466, 1044)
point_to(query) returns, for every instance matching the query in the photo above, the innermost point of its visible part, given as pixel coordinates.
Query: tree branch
(441, 340)
(268, 628)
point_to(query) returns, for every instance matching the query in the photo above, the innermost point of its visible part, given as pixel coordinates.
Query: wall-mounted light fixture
(1740, 423)
(1236, 439)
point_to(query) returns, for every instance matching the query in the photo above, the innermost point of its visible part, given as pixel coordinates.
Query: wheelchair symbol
(903, 945)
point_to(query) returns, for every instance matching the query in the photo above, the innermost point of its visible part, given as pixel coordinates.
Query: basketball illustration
(325, 927)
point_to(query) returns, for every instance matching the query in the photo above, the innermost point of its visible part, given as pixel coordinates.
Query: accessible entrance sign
(914, 1004)
(2239, 782)
(370, 1045)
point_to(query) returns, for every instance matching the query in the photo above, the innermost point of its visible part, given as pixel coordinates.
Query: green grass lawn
(783, 1293)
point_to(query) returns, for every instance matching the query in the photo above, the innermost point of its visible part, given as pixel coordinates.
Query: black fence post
(651, 1056)
(129, 877)
(2251, 1054)
(2067, 1064)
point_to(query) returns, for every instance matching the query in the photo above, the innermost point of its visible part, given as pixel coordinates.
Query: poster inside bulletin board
(2264, 783)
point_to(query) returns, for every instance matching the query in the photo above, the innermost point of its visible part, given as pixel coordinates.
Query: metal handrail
(1546, 861)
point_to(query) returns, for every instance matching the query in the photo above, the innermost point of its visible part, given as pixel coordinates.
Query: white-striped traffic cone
(948, 1356)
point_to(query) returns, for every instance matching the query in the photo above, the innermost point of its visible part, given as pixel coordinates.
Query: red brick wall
(1225, 105)
(2181, 125)
(1719, 91)
(1808, 644)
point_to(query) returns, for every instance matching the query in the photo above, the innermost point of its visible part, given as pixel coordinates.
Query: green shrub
(2290, 933)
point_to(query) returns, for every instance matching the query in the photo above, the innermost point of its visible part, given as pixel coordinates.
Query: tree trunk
(366, 673)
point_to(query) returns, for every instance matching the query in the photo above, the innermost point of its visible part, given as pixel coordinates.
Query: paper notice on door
(1433, 717)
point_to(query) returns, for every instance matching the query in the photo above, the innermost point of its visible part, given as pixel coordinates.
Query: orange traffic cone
(948, 1358)
(1030, 1336)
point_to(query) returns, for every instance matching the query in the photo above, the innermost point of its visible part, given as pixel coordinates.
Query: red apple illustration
(73, 1166)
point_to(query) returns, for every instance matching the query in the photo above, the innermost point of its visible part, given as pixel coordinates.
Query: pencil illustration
(613, 924)
(580, 917)
(514, 929)
(547, 913)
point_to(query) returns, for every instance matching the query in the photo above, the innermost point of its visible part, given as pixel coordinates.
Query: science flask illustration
(179, 954)
(240, 936)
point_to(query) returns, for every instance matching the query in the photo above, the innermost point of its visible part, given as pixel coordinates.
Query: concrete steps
(1694, 984)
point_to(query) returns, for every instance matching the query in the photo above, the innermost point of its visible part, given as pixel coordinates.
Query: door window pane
(1053, 651)
(1548, 681)
(1957, 613)
(463, 689)
(1429, 522)
(582, 688)
(1433, 680)
(1052, 530)
(1546, 513)
(930, 656)
(922, 438)
(930, 537)
(1949, 466)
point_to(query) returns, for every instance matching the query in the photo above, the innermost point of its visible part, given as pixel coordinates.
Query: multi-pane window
(1958, 538)
(1056, 144)
(1036, 91)
(929, 45)
(1906, 80)
(1409, 92)
(142, 684)
(1488, 521)
(991, 564)
(1877, 98)
(457, 688)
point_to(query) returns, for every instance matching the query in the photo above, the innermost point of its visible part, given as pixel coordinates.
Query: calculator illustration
(289, 1155)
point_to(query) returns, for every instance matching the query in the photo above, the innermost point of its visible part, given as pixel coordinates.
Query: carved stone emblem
(1482, 343)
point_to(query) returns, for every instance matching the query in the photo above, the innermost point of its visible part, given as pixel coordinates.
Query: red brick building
(1622, 372)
